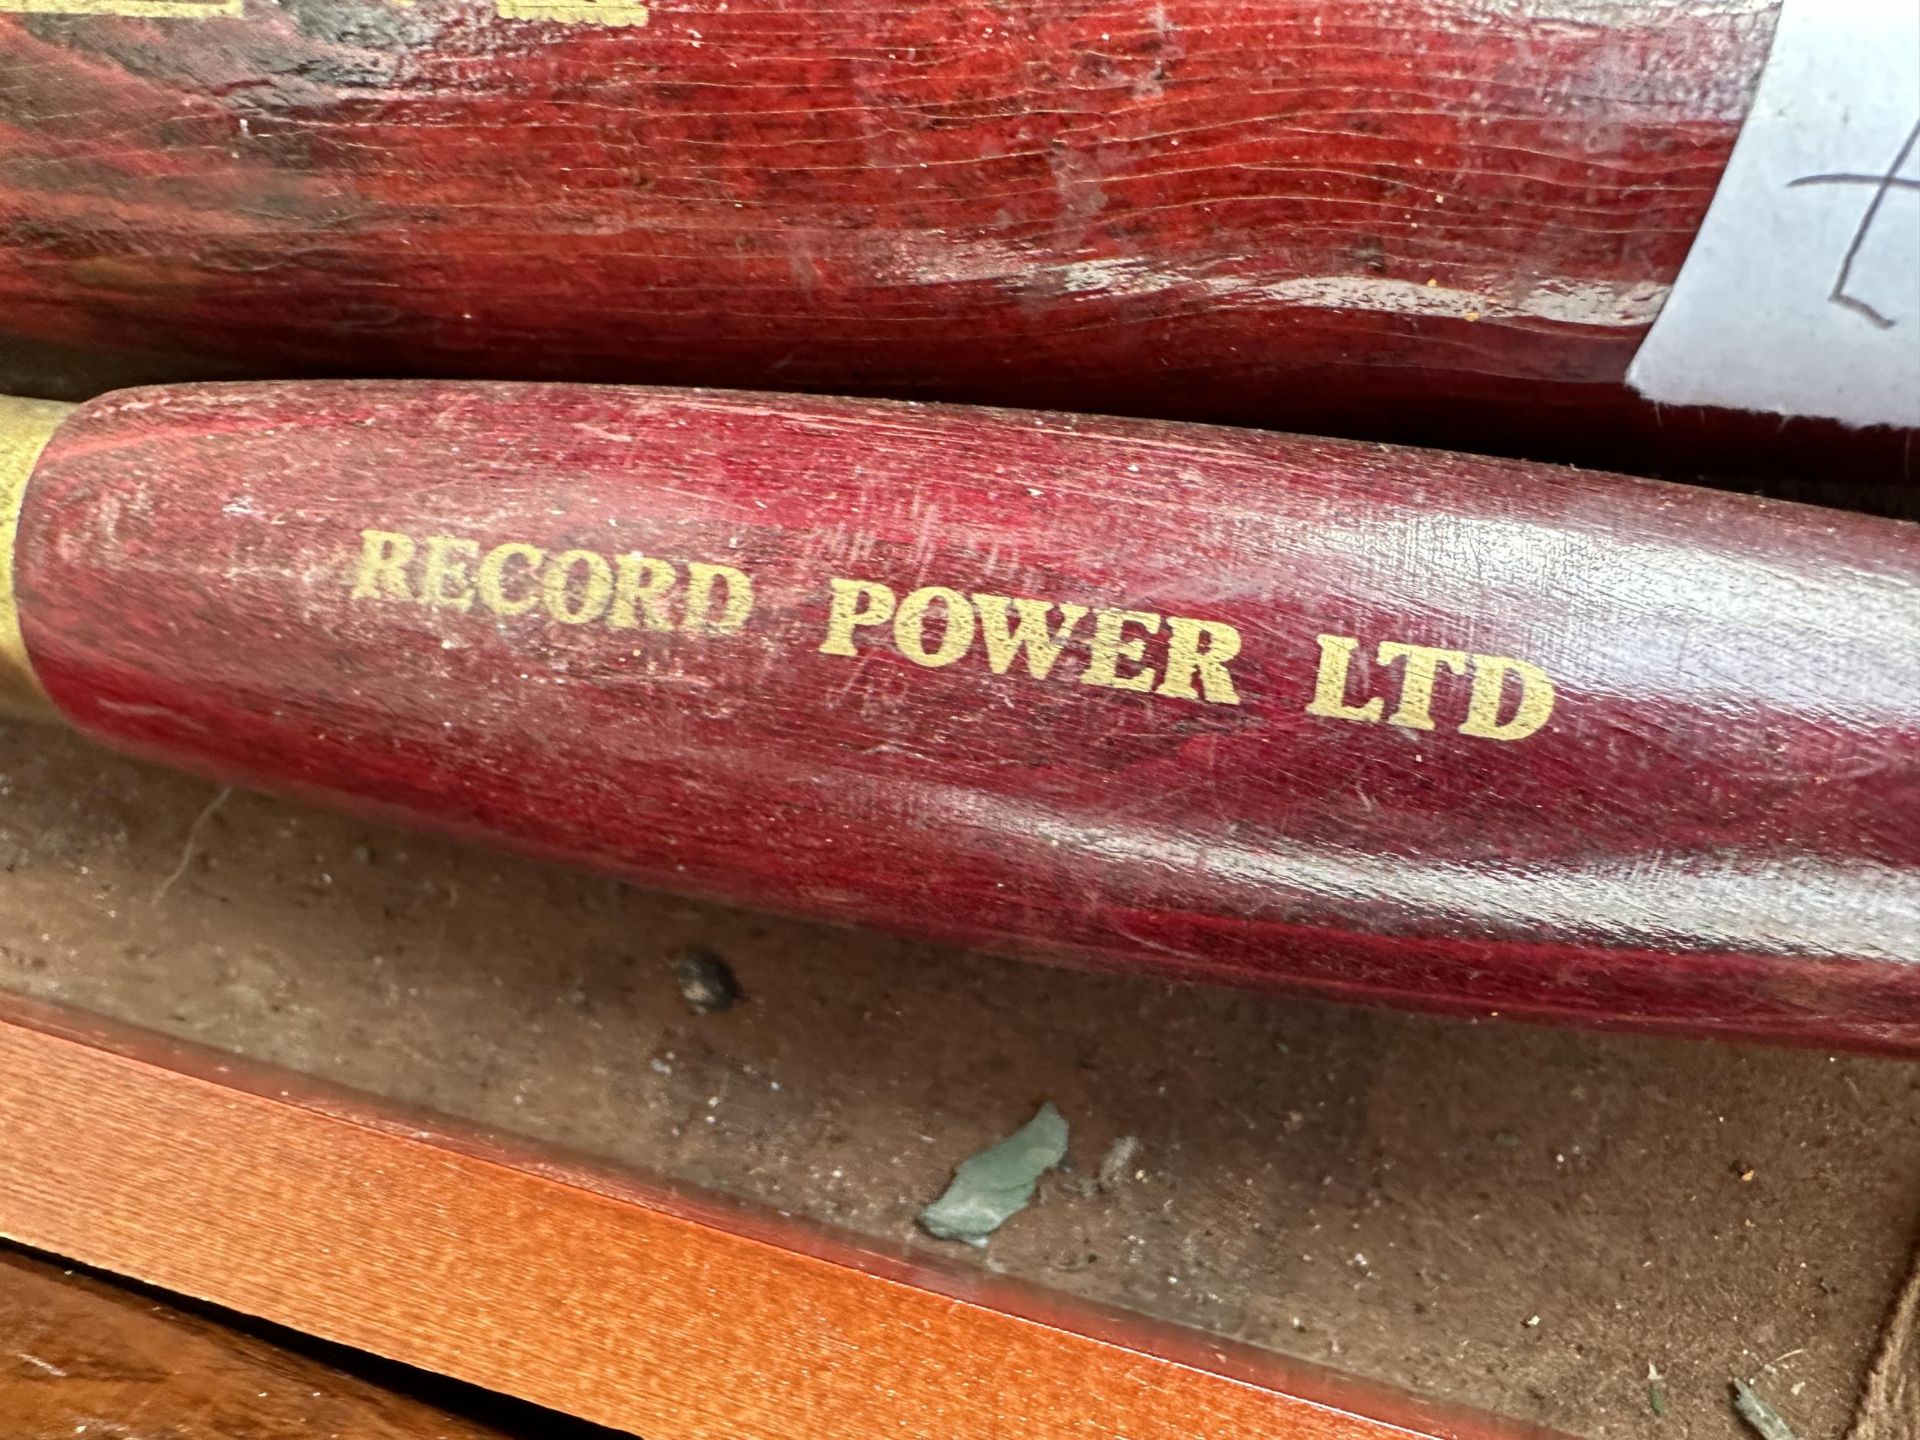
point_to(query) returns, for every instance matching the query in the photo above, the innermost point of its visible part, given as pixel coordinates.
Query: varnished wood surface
(579, 1289)
(1440, 221)
(79, 1356)
(1364, 212)
(1705, 822)
(1446, 222)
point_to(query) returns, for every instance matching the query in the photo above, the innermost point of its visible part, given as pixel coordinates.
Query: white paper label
(1801, 295)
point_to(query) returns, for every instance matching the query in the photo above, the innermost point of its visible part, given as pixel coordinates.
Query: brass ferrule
(25, 428)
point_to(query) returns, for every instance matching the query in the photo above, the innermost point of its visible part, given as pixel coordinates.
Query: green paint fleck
(1767, 1422)
(991, 1187)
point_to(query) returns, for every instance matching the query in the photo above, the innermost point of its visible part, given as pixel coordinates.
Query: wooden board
(80, 1356)
(581, 1289)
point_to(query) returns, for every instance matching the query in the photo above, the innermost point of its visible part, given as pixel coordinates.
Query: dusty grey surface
(1513, 1217)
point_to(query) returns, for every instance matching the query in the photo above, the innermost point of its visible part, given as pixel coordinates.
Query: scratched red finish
(1716, 830)
(1340, 214)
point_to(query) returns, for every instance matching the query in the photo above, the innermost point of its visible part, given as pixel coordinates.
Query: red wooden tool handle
(1330, 211)
(1391, 724)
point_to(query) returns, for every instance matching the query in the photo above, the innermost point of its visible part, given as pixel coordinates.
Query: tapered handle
(1395, 725)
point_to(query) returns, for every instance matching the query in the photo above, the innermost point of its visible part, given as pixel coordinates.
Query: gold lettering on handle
(733, 611)
(556, 587)
(574, 587)
(1111, 645)
(491, 579)
(1489, 685)
(446, 567)
(634, 591)
(573, 12)
(910, 622)
(640, 586)
(1200, 649)
(1030, 633)
(384, 557)
(1330, 684)
(1420, 668)
(855, 603)
(1198, 652)
(1423, 662)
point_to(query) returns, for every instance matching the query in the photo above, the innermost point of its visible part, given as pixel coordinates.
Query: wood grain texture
(1710, 826)
(1335, 215)
(79, 1357)
(585, 1291)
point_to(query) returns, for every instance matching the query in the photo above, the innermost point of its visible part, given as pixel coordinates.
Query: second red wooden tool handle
(1393, 724)
(1365, 208)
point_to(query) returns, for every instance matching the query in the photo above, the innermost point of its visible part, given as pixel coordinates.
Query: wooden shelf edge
(587, 1289)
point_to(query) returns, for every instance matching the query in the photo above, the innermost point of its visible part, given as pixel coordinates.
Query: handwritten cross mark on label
(1801, 295)
(1882, 185)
